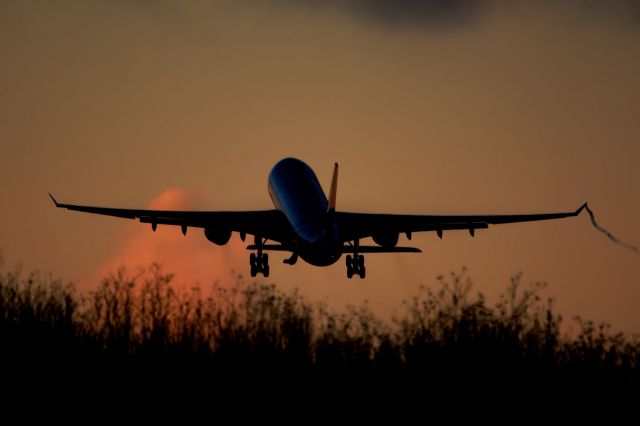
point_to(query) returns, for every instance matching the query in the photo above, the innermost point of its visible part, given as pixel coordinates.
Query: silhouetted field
(138, 333)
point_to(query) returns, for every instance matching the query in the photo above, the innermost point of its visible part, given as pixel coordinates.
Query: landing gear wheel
(355, 263)
(259, 263)
(355, 266)
(361, 269)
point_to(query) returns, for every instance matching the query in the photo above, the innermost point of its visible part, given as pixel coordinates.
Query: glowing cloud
(191, 258)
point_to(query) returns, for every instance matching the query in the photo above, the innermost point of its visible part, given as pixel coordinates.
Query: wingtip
(582, 207)
(54, 200)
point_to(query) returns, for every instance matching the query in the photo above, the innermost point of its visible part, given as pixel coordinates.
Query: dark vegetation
(139, 333)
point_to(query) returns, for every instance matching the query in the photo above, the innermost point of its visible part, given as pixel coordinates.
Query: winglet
(54, 200)
(334, 189)
(582, 207)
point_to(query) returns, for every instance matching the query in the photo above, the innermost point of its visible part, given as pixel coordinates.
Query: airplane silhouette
(306, 223)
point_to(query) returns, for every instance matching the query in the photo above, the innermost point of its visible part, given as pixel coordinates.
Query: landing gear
(355, 263)
(355, 266)
(292, 260)
(259, 263)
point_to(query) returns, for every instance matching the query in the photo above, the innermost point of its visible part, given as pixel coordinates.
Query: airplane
(306, 223)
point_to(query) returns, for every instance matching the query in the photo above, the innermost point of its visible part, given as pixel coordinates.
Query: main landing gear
(355, 266)
(259, 263)
(355, 263)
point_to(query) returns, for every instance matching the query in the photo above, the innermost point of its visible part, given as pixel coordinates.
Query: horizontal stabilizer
(269, 247)
(345, 249)
(379, 249)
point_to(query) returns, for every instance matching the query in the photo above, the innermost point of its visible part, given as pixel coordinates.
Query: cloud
(455, 13)
(418, 12)
(397, 13)
(192, 258)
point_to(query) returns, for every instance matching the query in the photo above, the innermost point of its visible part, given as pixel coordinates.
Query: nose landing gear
(292, 260)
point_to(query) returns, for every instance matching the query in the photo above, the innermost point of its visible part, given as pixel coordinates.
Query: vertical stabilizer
(334, 189)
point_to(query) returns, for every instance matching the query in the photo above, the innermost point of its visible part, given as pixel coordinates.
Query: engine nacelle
(218, 236)
(386, 239)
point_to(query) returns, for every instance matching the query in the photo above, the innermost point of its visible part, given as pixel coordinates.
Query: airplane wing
(361, 225)
(270, 224)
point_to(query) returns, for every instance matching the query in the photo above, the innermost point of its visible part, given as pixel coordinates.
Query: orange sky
(482, 109)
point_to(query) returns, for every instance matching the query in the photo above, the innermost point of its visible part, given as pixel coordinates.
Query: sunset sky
(430, 107)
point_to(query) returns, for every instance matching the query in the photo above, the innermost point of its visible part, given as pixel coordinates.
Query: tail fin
(334, 189)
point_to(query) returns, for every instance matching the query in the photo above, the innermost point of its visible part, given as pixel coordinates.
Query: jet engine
(218, 236)
(386, 239)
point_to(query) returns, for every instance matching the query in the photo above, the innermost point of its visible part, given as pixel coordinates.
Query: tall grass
(139, 325)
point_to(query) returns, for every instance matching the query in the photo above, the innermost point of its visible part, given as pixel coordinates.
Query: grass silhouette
(138, 332)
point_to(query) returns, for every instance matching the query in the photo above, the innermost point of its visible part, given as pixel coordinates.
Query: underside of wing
(270, 224)
(361, 225)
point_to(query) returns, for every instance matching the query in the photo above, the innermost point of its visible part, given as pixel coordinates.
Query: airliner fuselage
(296, 192)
